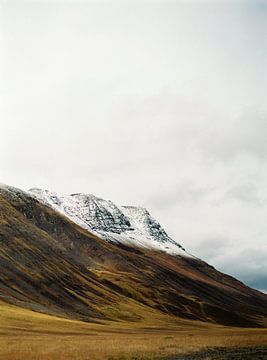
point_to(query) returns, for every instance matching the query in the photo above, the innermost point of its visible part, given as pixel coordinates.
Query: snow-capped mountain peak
(122, 224)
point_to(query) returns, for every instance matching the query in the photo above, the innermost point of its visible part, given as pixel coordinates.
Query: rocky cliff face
(124, 224)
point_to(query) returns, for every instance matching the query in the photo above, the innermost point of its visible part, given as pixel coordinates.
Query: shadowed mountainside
(51, 265)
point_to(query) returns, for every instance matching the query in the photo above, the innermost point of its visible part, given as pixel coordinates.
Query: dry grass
(33, 336)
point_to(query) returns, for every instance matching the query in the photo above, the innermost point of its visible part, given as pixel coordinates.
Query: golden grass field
(28, 335)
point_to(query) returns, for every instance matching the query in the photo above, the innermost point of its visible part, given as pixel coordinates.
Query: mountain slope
(50, 264)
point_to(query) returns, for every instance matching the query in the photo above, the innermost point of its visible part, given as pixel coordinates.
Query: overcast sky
(160, 104)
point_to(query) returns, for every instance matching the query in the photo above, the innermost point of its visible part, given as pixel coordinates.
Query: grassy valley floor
(25, 334)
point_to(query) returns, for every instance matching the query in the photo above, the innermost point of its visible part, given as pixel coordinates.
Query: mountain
(81, 257)
(119, 224)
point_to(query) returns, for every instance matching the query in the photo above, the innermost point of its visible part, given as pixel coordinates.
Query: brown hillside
(51, 265)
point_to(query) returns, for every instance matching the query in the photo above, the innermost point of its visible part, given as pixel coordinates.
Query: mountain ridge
(123, 224)
(52, 265)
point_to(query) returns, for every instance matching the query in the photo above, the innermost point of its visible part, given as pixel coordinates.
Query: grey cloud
(257, 282)
(246, 193)
(244, 260)
(187, 192)
(210, 246)
(243, 136)
(248, 265)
